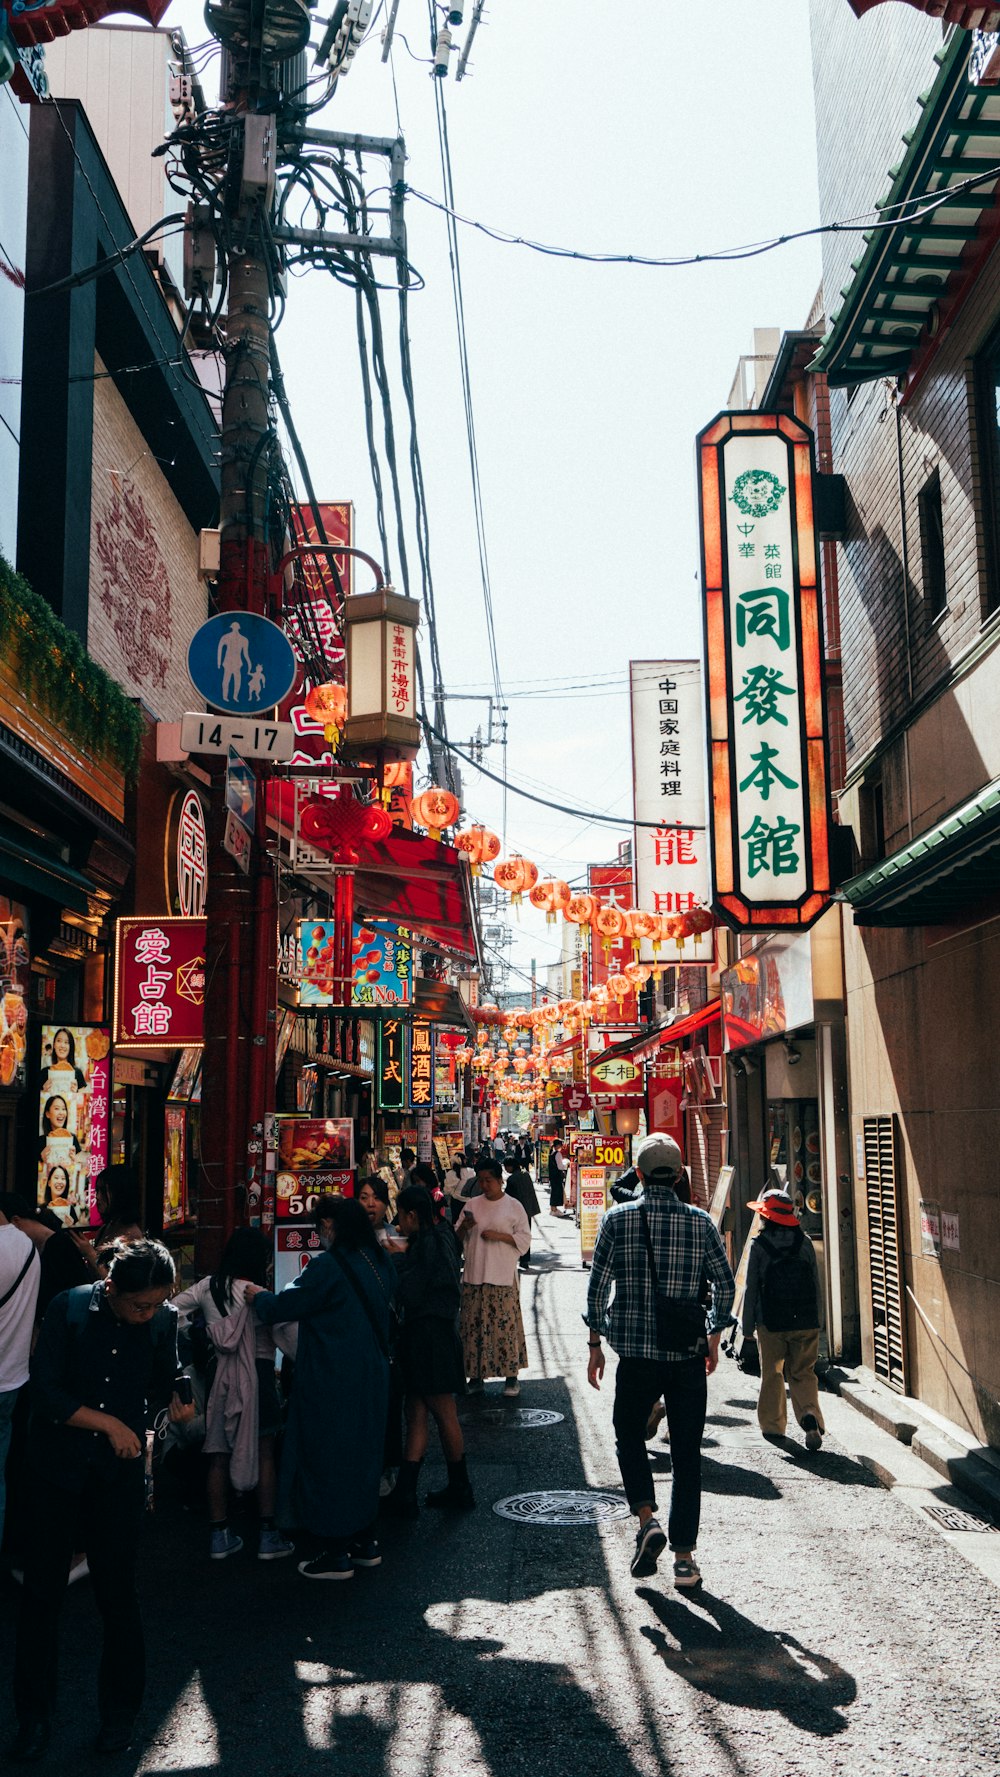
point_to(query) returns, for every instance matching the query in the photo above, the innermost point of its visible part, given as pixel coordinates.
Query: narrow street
(837, 1631)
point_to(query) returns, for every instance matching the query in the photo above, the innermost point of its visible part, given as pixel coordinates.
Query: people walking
(19, 1278)
(243, 1411)
(333, 1452)
(106, 1357)
(496, 1231)
(519, 1185)
(429, 1353)
(558, 1168)
(782, 1305)
(656, 1254)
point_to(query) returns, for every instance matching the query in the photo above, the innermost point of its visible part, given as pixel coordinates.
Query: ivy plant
(55, 667)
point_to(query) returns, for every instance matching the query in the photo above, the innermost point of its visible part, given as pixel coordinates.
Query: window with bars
(888, 1308)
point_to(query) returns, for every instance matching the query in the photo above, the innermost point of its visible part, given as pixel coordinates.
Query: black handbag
(681, 1328)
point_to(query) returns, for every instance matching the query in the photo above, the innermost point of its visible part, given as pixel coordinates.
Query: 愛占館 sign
(764, 663)
(159, 983)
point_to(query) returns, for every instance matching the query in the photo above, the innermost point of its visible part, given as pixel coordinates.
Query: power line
(869, 222)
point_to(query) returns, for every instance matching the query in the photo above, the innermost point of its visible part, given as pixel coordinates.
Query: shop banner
(663, 1106)
(763, 648)
(74, 1119)
(381, 964)
(293, 1249)
(174, 1165)
(15, 980)
(768, 992)
(320, 625)
(592, 1197)
(313, 1144)
(421, 1095)
(392, 1064)
(621, 1077)
(159, 983)
(297, 1193)
(612, 886)
(668, 778)
(185, 1076)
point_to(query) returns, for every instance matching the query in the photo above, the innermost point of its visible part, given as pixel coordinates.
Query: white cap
(658, 1153)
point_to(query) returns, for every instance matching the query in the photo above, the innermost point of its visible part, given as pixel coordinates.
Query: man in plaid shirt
(682, 1245)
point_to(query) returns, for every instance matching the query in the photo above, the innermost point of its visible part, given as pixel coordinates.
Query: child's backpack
(788, 1287)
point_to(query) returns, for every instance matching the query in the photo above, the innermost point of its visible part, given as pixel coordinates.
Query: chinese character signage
(186, 855)
(159, 983)
(611, 886)
(322, 623)
(619, 1078)
(399, 699)
(668, 776)
(421, 1068)
(15, 980)
(74, 1119)
(767, 746)
(392, 1055)
(381, 967)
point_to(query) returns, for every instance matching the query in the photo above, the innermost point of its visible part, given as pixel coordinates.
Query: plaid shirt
(688, 1249)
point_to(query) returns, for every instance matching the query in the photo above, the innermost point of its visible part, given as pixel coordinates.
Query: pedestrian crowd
(412, 1299)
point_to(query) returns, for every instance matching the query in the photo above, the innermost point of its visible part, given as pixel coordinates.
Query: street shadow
(724, 1419)
(844, 1471)
(743, 1483)
(731, 1658)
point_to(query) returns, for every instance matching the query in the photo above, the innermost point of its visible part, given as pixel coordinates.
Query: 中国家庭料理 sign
(764, 664)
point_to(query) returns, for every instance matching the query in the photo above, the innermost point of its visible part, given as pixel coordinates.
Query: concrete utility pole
(241, 943)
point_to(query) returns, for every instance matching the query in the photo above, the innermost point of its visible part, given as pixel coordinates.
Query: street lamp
(380, 636)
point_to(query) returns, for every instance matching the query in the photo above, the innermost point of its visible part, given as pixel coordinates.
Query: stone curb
(976, 1475)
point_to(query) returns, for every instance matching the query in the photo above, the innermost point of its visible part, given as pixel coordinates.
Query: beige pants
(788, 1357)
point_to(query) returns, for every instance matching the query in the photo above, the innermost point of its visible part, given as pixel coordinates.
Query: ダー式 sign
(766, 741)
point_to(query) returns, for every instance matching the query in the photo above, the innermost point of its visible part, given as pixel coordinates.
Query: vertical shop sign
(391, 1062)
(421, 1068)
(74, 1118)
(668, 788)
(612, 886)
(593, 1200)
(767, 744)
(15, 980)
(322, 623)
(159, 982)
(174, 1165)
(186, 855)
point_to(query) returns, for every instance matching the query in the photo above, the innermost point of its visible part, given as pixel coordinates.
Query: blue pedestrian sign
(241, 663)
(241, 790)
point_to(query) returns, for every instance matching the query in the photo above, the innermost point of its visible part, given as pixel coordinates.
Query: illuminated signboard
(391, 1064)
(421, 1068)
(159, 983)
(766, 736)
(668, 778)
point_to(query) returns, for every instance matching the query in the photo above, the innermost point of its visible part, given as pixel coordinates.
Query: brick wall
(146, 600)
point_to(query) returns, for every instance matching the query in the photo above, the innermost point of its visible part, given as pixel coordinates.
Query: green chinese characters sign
(767, 748)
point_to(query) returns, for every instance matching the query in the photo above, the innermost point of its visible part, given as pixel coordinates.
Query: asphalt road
(838, 1631)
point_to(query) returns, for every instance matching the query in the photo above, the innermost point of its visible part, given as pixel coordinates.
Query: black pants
(684, 1387)
(107, 1512)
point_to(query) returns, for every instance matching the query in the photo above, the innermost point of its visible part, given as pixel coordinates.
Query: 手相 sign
(766, 739)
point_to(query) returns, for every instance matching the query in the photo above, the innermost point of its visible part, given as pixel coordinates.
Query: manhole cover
(525, 1416)
(953, 1518)
(571, 1508)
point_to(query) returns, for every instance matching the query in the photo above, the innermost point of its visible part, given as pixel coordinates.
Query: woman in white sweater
(495, 1232)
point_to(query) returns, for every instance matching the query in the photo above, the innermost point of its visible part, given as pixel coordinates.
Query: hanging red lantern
(700, 919)
(580, 910)
(638, 974)
(479, 845)
(640, 925)
(550, 898)
(620, 986)
(434, 809)
(327, 704)
(517, 875)
(610, 923)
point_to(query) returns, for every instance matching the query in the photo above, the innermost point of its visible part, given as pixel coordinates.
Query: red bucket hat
(776, 1206)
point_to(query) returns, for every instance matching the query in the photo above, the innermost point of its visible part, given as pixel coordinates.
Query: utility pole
(241, 940)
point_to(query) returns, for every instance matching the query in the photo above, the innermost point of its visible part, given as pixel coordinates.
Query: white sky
(609, 127)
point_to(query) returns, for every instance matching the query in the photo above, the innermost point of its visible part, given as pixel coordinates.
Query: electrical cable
(583, 814)
(167, 226)
(873, 221)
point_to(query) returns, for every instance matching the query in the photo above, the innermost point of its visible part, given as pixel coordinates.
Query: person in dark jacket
(558, 1168)
(788, 1350)
(104, 1351)
(519, 1185)
(429, 1352)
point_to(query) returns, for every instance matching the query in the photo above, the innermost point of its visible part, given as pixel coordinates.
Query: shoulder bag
(380, 1338)
(680, 1325)
(19, 1279)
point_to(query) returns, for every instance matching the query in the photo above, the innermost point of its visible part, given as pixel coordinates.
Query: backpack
(788, 1288)
(161, 1327)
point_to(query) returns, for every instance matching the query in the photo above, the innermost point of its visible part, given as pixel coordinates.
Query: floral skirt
(492, 1330)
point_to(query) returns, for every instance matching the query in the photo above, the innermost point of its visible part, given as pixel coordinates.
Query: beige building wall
(146, 599)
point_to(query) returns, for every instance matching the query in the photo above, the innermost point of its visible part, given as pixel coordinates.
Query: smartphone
(184, 1391)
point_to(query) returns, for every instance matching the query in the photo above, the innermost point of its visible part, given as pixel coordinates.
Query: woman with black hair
(429, 1352)
(425, 1176)
(117, 1201)
(332, 1459)
(63, 1075)
(104, 1351)
(237, 1401)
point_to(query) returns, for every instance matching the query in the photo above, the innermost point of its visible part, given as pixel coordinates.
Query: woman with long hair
(429, 1352)
(218, 1298)
(331, 1463)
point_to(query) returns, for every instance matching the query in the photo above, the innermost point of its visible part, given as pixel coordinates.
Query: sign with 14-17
(202, 733)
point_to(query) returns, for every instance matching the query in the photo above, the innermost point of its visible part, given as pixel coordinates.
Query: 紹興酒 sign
(668, 778)
(159, 983)
(766, 739)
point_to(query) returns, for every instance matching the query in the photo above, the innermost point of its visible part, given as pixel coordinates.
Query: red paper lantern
(479, 845)
(550, 897)
(580, 910)
(620, 986)
(701, 919)
(517, 875)
(327, 704)
(434, 809)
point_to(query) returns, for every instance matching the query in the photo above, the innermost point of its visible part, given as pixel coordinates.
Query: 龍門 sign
(159, 983)
(668, 777)
(766, 740)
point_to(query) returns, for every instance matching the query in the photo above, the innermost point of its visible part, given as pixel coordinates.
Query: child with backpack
(782, 1305)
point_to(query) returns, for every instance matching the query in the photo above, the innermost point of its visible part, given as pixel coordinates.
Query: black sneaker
(650, 1543)
(366, 1552)
(332, 1564)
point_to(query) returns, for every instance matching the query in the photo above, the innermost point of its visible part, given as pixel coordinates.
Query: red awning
(957, 12)
(646, 1042)
(43, 23)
